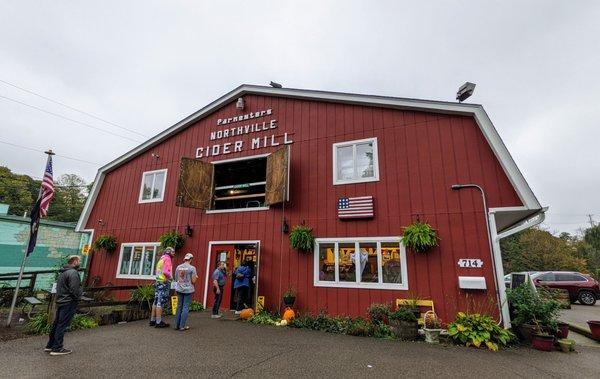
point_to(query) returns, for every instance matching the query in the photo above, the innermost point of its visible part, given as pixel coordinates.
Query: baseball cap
(188, 256)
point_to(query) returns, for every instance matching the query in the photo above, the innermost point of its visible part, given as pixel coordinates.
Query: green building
(55, 241)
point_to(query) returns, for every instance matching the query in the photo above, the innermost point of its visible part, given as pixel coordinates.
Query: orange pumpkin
(246, 313)
(289, 315)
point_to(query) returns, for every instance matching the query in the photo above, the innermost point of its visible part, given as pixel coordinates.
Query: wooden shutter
(195, 189)
(276, 190)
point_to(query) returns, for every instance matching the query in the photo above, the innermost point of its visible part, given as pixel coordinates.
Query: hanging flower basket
(419, 237)
(106, 243)
(172, 239)
(301, 238)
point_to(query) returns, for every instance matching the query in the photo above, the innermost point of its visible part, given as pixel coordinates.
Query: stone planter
(405, 330)
(432, 335)
(566, 345)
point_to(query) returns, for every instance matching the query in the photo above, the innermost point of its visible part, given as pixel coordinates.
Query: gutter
(531, 221)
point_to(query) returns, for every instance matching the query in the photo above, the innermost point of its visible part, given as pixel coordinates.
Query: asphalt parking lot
(220, 348)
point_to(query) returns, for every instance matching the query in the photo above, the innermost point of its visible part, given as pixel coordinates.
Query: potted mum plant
(289, 297)
(172, 239)
(404, 325)
(302, 238)
(432, 327)
(419, 237)
(106, 243)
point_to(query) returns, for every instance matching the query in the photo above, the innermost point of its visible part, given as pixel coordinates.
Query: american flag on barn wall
(355, 207)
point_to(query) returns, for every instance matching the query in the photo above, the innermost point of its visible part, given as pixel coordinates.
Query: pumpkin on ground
(289, 315)
(246, 313)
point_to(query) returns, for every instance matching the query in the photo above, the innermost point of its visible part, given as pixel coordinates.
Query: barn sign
(255, 129)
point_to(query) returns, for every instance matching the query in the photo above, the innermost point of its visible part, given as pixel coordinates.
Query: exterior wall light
(189, 231)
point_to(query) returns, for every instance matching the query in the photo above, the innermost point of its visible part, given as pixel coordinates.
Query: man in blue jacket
(242, 285)
(68, 294)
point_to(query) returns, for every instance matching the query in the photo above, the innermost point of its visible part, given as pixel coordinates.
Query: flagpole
(14, 299)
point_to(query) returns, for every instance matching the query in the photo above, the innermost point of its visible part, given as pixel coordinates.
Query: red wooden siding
(420, 156)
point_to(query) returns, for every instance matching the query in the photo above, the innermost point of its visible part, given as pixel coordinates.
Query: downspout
(530, 222)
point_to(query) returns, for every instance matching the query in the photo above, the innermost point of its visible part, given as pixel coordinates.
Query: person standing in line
(241, 286)
(162, 286)
(218, 277)
(185, 275)
(68, 294)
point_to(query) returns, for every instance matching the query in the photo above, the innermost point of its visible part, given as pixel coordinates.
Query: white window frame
(133, 245)
(363, 285)
(162, 192)
(375, 177)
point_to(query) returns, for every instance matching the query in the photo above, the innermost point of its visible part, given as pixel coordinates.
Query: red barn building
(237, 173)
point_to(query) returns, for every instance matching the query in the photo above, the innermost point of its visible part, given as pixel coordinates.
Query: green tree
(17, 191)
(69, 198)
(539, 250)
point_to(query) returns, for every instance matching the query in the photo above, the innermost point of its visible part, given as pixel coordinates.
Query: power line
(41, 151)
(67, 118)
(72, 108)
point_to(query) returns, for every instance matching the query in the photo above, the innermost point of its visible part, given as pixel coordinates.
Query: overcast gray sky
(144, 65)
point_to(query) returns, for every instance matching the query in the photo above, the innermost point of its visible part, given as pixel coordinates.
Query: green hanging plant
(301, 238)
(106, 242)
(420, 237)
(172, 239)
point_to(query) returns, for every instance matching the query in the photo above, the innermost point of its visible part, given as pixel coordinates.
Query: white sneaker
(216, 316)
(237, 312)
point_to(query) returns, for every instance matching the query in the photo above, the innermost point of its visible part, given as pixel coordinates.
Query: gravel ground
(220, 348)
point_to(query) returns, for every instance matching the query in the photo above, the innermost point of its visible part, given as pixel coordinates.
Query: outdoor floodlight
(275, 85)
(240, 103)
(465, 91)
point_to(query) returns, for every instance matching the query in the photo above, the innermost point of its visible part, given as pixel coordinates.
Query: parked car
(508, 277)
(581, 287)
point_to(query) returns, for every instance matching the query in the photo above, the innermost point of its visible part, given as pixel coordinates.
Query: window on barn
(361, 263)
(252, 183)
(137, 261)
(153, 186)
(355, 161)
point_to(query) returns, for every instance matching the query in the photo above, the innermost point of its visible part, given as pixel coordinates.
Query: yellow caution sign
(173, 304)
(260, 303)
(85, 250)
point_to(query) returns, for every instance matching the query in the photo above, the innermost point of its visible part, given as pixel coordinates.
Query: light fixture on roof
(240, 103)
(275, 85)
(465, 91)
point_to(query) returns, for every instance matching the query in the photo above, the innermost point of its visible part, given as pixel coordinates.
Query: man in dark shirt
(68, 294)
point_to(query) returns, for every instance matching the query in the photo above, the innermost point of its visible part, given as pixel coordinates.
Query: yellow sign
(173, 304)
(85, 250)
(260, 303)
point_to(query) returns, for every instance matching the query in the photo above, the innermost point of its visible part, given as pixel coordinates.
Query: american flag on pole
(40, 208)
(355, 207)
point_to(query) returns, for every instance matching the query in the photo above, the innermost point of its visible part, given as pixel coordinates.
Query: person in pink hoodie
(162, 286)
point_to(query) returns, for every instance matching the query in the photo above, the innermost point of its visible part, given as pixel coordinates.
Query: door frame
(233, 242)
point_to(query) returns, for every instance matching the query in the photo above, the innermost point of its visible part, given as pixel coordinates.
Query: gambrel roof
(505, 217)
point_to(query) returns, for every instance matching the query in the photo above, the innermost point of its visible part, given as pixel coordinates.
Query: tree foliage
(21, 191)
(539, 250)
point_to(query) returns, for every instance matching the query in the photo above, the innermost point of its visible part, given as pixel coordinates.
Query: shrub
(475, 330)
(378, 312)
(379, 330)
(529, 306)
(419, 237)
(106, 242)
(143, 293)
(172, 239)
(403, 314)
(196, 306)
(301, 238)
(38, 324)
(359, 327)
(263, 318)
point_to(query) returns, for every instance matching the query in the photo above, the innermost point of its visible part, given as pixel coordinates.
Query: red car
(581, 287)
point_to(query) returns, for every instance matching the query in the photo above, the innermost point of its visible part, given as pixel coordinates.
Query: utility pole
(591, 220)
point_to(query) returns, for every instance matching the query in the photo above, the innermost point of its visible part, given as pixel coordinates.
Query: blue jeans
(183, 306)
(218, 298)
(64, 315)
